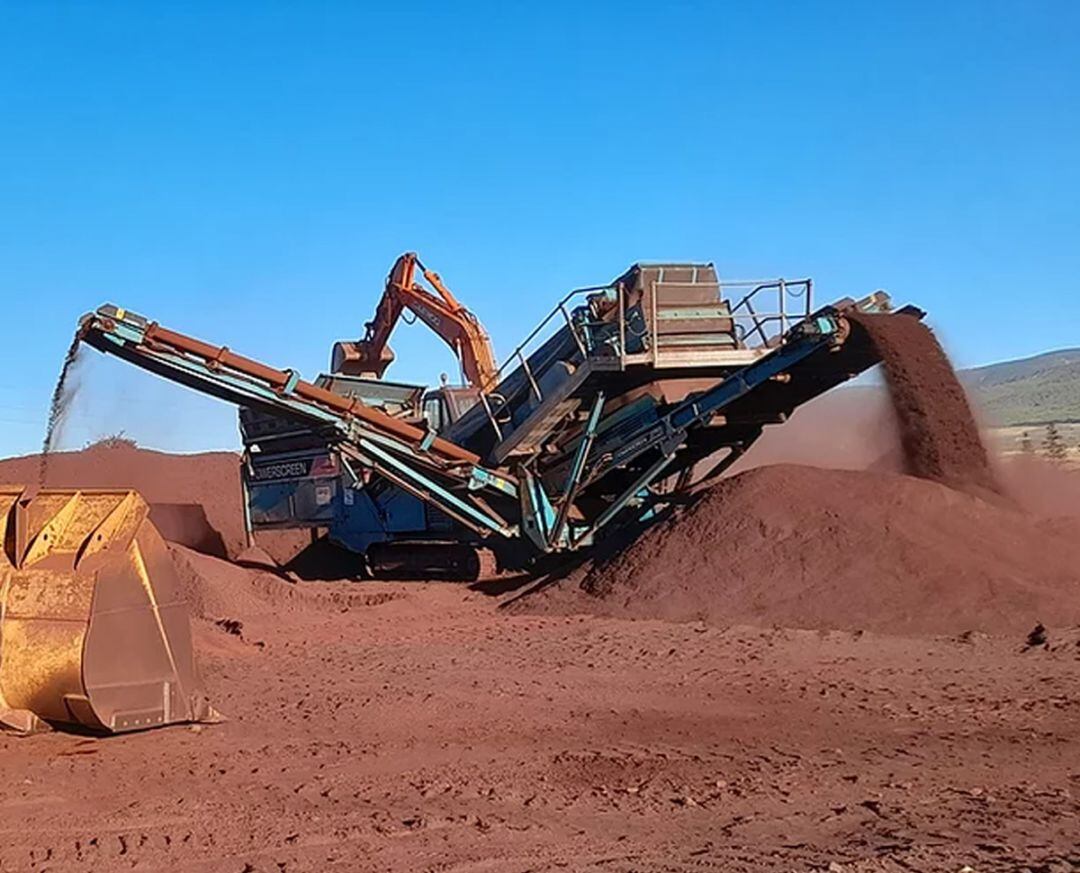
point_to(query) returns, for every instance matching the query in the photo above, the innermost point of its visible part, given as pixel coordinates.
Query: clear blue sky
(247, 172)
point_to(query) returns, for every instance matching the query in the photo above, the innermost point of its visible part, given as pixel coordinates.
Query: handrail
(560, 307)
(519, 359)
(761, 324)
(786, 290)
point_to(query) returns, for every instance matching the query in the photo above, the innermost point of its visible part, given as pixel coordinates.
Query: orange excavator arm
(439, 310)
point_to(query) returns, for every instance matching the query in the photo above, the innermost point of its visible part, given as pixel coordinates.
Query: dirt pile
(808, 548)
(216, 589)
(255, 604)
(195, 499)
(937, 429)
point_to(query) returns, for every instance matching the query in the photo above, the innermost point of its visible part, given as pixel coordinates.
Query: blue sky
(247, 172)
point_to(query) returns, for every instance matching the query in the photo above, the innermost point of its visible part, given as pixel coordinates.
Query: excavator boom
(438, 309)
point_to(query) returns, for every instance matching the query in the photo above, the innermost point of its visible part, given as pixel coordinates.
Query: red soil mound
(217, 590)
(937, 429)
(809, 548)
(195, 498)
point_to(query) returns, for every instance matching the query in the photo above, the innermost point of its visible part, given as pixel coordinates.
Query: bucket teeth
(94, 630)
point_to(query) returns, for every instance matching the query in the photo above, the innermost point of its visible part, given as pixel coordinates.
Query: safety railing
(519, 357)
(764, 313)
(786, 302)
(543, 332)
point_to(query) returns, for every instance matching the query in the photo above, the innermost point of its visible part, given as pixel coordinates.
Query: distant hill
(1038, 390)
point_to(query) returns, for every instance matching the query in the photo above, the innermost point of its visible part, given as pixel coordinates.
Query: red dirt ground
(382, 726)
(802, 547)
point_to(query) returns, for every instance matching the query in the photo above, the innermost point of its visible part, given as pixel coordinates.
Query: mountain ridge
(1039, 389)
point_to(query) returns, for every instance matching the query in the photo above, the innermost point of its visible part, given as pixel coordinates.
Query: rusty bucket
(94, 628)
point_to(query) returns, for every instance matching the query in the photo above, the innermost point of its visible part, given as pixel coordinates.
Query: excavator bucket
(94, 630)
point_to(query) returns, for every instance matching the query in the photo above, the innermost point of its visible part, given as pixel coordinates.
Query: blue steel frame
(418, 473)
(128, 341)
